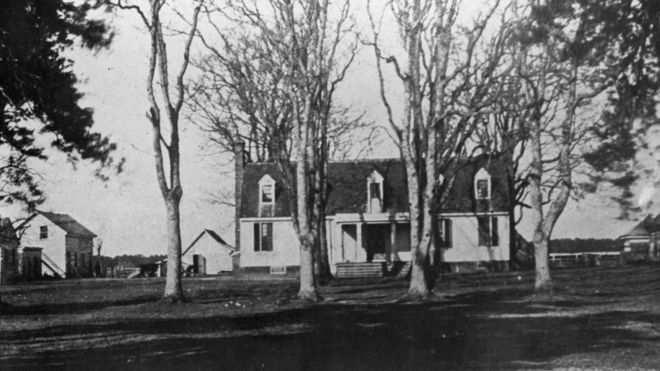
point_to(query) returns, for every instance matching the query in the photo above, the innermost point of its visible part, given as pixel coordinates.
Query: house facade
(367, 217)
(66, 245)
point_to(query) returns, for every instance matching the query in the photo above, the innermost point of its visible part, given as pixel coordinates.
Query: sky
(127, 212)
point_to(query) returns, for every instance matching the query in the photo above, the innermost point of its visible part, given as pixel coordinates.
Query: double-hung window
(263, 236)
(488, 232)
(482, 185)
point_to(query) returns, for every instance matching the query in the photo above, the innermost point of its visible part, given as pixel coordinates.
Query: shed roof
(211, 234)
(68, 224)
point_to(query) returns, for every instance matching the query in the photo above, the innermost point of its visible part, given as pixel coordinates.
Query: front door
(377, 237)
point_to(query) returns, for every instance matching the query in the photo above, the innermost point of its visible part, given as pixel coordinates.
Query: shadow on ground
(456, 334)
(487, 328)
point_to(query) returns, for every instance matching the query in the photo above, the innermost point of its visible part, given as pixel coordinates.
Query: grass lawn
(600, 318)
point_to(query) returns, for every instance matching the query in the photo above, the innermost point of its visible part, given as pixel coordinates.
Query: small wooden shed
(208, 254)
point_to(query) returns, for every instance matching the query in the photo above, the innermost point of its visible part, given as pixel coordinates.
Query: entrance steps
(360, 270)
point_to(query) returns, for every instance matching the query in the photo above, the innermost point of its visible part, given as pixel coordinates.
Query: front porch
(380, 238)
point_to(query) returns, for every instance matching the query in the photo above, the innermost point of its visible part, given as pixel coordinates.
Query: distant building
(9, 251)
(654, 238)
(208, 254)
(66, 245)
(637, 243)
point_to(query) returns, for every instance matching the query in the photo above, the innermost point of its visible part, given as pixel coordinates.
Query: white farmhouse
(66, 245)
(367, 219)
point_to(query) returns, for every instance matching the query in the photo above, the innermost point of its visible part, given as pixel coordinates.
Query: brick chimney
(239, 164)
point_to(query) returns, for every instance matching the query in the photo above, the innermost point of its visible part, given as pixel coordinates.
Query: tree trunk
(542, 280)
(307, 291)
(508, 160)
(101, 266)
(418, 288)
(173, 288)
(322, 261)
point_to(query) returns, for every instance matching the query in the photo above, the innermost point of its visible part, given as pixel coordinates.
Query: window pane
(448, 237)
(441, 232)
(482, 188)
(484, 231)
(495, 238)
(444, 233)
(267, 238)
(256, 237)
(267, 193)
(374, 189)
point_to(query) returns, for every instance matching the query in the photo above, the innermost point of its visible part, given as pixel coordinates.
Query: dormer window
(266, 196)
(267, 193)
(266, 190)
(375, 193)
(482, 185)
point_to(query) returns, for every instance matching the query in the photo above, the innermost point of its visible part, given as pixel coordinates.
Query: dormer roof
(348, 189)
(266, 179)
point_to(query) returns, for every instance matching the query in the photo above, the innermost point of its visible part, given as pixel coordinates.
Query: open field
(601, 318)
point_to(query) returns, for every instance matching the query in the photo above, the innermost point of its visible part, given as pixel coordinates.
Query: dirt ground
(600, 318)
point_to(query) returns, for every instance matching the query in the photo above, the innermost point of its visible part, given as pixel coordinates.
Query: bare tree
(240, 95)
(166, 150)
(276, 85)
(562, 74)
(504, 135)
(447, 79)
(243, 95)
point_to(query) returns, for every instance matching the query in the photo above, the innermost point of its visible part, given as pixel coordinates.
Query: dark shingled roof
(348, 188)
(461, 196)
(653, 224)
(641, 229)
(644, 228)
(68, 224)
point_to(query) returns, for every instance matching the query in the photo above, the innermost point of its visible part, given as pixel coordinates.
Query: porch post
(341, 240)
(358, 246)
(389, 256)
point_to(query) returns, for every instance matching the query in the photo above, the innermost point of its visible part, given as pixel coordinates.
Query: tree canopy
(632, 32)
(38, 85)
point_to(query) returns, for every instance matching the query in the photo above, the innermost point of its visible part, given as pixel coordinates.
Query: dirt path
(603, 318)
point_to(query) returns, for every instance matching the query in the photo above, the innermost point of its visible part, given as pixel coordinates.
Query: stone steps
(360, 270)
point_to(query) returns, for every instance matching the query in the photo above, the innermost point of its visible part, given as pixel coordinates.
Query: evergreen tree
(632, 31)
(37, 84)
